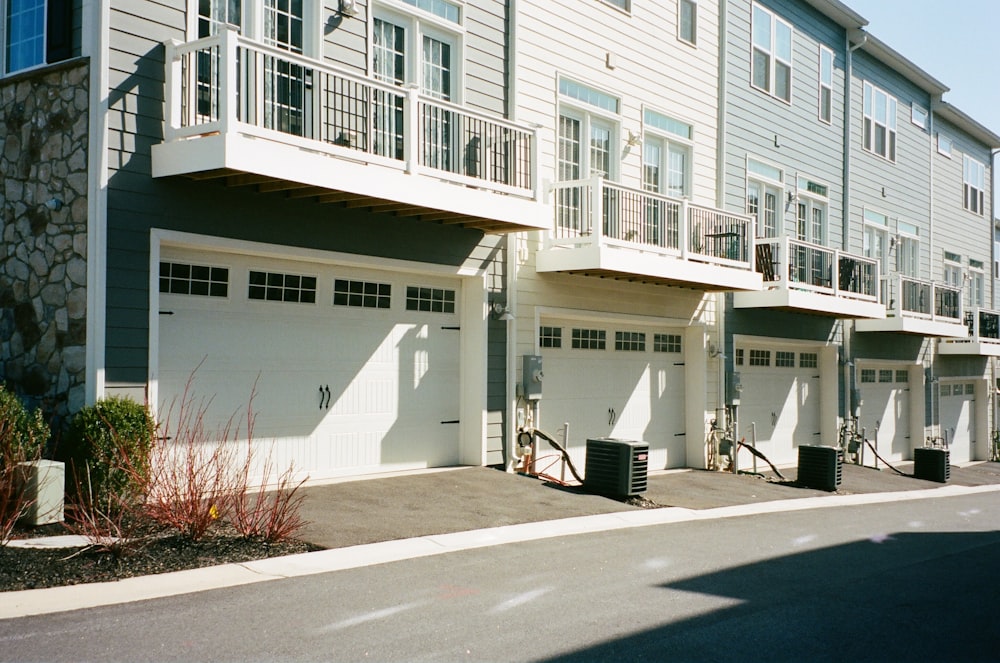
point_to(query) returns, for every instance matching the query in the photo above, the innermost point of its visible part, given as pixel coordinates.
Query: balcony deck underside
(295, 172)
(914, 325)
(805, 301)
(644, 267)
(977, 348)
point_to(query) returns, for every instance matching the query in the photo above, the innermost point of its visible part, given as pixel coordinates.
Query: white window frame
(918, 116)
(692, 6)
(252, 24)
(417, 23)
(907, 249)
(5, 60)
(813, 202)
(825, 78)
(620, 5)
(951, 272)
(870, 121)
(973, 185)
(944, 145)
(766, 184)
(977, 287)
(876, 227)
(590, 116)
(770, 51)
(670, 143)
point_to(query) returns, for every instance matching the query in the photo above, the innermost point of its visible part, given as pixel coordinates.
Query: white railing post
(174, 90)
(684, 225)
(535, 180)
(227, 79)
(597, 208)
(411, 129)
(835, 273)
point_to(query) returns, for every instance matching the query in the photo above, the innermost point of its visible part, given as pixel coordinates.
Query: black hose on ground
(763, 458)
(558, 447)
(899, 472)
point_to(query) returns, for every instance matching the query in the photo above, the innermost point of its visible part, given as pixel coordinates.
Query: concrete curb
(76, 597)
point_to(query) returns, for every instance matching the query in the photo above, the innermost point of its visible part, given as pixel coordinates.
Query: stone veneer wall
(43, 227)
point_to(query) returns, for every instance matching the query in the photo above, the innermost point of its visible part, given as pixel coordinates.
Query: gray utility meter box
(531, 377)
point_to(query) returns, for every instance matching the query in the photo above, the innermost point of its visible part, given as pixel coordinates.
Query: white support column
(695, 395)
(411, 129)
(228, 78)
(918, 408)
(829, 389)
(472, 372)
(173, 90)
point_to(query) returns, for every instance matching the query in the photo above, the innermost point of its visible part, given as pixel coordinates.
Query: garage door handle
(451, 421)
(324, 397)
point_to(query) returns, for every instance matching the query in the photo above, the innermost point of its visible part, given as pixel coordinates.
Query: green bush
(106, 451)
(23, 435)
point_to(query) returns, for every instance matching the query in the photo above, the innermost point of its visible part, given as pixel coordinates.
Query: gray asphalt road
(909, 581)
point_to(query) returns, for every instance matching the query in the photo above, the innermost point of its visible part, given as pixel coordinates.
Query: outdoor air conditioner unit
(616, 468)
(931, 464)
(820, 467)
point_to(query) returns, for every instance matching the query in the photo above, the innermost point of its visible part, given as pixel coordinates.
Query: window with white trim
(588, 129)
(589, 339)
(918, 116)
(666, 155)
(764, 198)
(687, 21)
(875, 240)
(907, 249)
(973, 185)
(879, 122)
(549, 337)
(624, 5)
(771, 57)
(977, 284)
(944, 145)
(953, 269)
(825, 84)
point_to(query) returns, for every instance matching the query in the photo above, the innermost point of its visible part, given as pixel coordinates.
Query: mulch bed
(160, 552)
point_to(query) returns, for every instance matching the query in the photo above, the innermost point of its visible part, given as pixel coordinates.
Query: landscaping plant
(23, 436)
(107, 449)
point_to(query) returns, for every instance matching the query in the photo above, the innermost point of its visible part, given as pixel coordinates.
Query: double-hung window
(589, 123)
(687, 21)
(875, 243)
(977, 284)
(764, 198)
(771, 54)
(811, 265)
(879, 131)
(974, 185)
(825, 84)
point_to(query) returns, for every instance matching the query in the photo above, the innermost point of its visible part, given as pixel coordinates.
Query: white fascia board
(270, 158)
(975, 348)
(626, 261)
(815, 302)
(921, 326)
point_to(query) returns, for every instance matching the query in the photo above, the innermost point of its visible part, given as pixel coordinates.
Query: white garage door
(780, 395)
(615, 381)
(351, 371)
(885, 408)
(957, 415)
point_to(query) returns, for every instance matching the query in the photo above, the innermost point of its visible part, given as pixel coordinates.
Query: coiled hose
(558, 447)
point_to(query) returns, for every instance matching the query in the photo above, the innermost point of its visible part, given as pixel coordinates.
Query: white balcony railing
(595, 211)
(984, 325)
(905, 296)
(227, 83)
(789, 263)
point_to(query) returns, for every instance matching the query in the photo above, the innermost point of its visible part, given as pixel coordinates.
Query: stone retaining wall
(43, 227)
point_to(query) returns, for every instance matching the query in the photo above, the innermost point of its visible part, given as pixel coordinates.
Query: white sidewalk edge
(76, 597)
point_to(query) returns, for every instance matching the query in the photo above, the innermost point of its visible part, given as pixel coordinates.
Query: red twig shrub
(110, 522)
(271, 514)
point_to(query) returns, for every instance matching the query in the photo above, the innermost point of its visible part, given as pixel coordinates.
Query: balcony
(810, 278)
(915, 306)
(254, 115)
(984, 335)
(609, 230)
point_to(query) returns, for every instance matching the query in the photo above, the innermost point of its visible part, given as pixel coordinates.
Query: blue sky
(955, 41)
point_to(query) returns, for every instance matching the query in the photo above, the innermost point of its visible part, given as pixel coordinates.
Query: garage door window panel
(279, 287)
(550, 337)
(667, 343)
(589, 339)
(760, 357)
(784, 359)
(361, 294)
(628, 341)
(186, 279)
(433, 300)
(808, 360)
